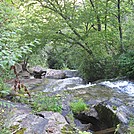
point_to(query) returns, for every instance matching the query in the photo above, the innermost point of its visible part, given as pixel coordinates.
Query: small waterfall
(120, 86)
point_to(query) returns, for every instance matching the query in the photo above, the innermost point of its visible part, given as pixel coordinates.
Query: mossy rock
(67, 129)
(17, 129)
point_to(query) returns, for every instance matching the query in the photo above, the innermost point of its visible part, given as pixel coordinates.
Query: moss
(20, 131)
(17, 130)
(114, 107)
(13, 128)
(68, 129)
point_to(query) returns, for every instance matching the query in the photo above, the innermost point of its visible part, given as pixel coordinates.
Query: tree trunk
(120, 27)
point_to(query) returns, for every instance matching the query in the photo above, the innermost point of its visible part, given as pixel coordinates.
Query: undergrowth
(40, 102)
(44, 102)
(4, 90)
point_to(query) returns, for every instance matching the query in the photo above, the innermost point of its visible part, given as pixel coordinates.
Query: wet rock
(88, 122)
(62, 84)
(109, 107)
(109, 104)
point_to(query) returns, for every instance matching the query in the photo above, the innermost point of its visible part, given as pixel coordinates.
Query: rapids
(121, 86)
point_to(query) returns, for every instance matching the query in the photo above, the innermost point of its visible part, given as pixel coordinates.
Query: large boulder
(55, 74)
(61, 84)
(21, 119)
(114, 112)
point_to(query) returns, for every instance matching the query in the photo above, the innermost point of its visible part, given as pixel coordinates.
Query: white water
(82, 86)
(121, 86)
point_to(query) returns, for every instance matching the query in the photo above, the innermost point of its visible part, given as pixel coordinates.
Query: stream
(110, 102)
(121, 86)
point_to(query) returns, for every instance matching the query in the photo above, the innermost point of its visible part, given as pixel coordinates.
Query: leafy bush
(37, 59)
(78, 106)
(126, 64)
(4, 90)
(101, 68)
(46, 103)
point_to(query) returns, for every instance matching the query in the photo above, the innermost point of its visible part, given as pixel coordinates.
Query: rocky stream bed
(110, 106)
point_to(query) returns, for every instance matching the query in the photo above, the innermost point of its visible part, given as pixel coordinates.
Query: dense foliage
(11, 50)
(90, 35)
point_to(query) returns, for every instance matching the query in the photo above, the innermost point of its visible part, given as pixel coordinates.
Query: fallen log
(105, 131)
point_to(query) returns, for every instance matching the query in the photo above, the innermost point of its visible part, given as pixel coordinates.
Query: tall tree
(91, 29)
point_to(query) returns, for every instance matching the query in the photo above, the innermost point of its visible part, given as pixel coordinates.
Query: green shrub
(96, 69)
(38, 58)
(46, 103)
(78, 106)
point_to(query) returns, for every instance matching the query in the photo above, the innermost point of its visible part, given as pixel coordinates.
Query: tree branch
(97, 16)
(76, 42)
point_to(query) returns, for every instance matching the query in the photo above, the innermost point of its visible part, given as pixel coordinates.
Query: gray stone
(71, 73)
(55, 74)
(41, 123)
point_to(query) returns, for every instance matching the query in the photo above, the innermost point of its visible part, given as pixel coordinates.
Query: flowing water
(121, 86)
